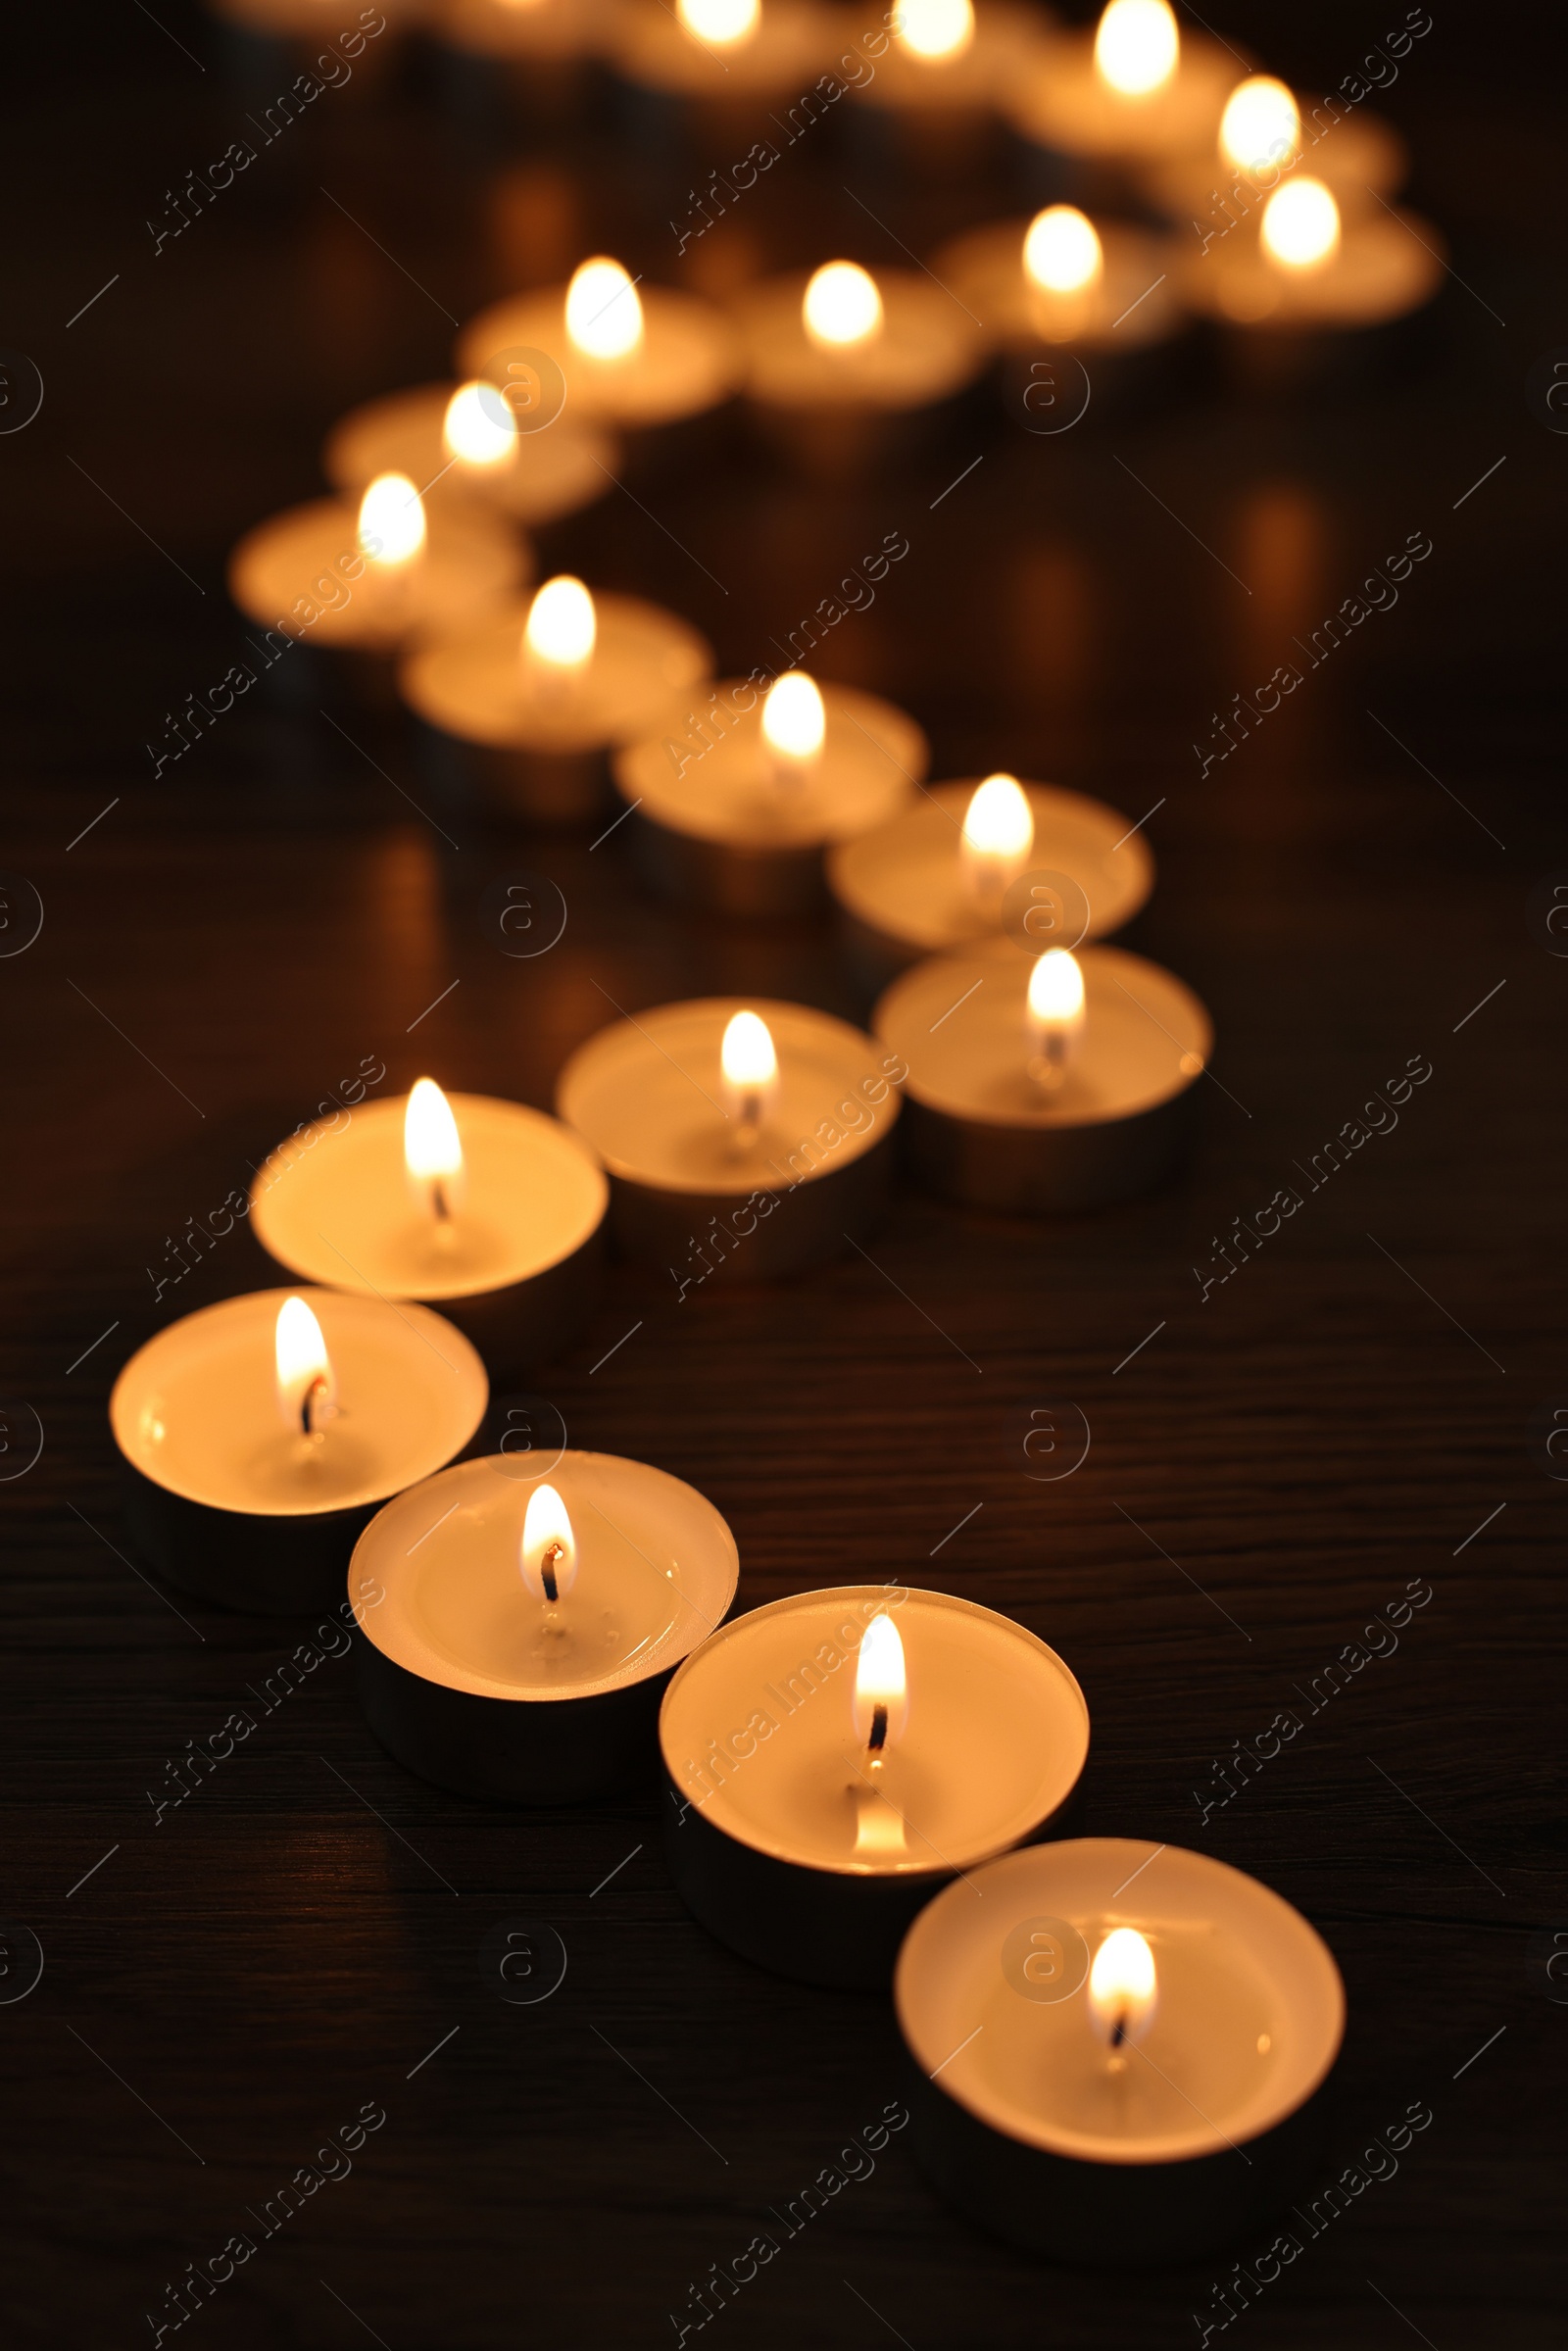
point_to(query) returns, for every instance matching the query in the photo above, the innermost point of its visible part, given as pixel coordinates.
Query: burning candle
(940, 872)
(727, 58)
(260, 1435)
(737, 804)
(363, 578)
(474, 450)
(1115, 2049)
(1055, 1017)
(1050, 1083)
(1065, 279)
(530, 1623)
(832, 358)
(536, 43)
(1134, 90)
(630, 355)
(815, 1809)
(742, 1142)
(490, 1210)
(940, 78)
(1294, 267)
(528, 707)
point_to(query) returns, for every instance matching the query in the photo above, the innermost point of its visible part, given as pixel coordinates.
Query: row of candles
(860, 1782)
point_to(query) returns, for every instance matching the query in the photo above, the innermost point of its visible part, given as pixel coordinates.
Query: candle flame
(1121, 1987)
(432, 1151)
(842, 308)
(1301, 226)
(562, 627)
(747, 1057)
(934, 30)
(392, 526)
(549, 1552)
(881, 1685)
(720, 24)
(794, 720)
(1062, 252)
(306, 1388)
(1261, 124)
(1057, 987)
(998, 832)
(477, 428)
(1137, 47)
(604, 317)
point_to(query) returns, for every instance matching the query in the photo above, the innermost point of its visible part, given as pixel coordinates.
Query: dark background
(229, 1986)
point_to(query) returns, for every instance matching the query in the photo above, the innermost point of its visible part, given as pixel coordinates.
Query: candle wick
(879, 1729)
(439, 1202)
(553, 1552)
(747, 1120)
(312, 1404)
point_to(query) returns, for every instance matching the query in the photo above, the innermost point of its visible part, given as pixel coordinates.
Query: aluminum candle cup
(229, 1493)
(532, 740)
(474, 1677)
(834, 404)
(681, 363)
(509, 1250)
(1127, 2105)
(983, 1130)
(739, 1179)
(305, 575)
(727, 820)
(910, 888)
(531, 476)
(806, 1833)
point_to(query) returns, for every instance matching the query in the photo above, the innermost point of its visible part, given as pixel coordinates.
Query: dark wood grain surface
(226, 1986)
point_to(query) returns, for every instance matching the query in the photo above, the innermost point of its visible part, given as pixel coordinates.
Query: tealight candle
(768, 1190)
(834, 1758)
(525, 39)
(832, 359)
(260, 1435)
(1031, 1090)
(489, 1210)
(947, 65)
(473, 450)
(362, 581)
(1065, 279)
(938, 873)
(628, 358)
(1263, 138)
(1300, 267)
(528, 1628)
(737, 814)
(530, 703)
(729, 54)
(1133, 91)
(1116, 2048)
